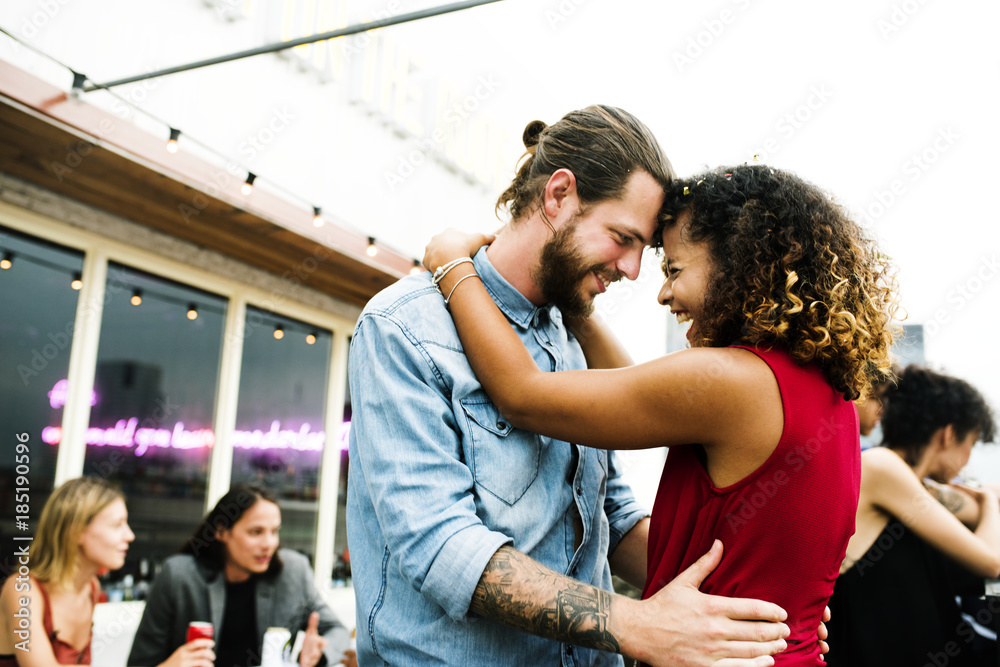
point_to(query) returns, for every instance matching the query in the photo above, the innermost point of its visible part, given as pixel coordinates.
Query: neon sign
(57, 397)
(126, 434)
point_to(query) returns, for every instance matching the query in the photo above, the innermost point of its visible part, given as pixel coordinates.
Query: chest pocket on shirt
(504, 460)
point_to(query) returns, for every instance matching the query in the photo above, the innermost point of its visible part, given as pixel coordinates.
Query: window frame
(98, 252)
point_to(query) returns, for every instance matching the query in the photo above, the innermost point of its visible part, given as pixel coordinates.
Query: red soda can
(200, 630)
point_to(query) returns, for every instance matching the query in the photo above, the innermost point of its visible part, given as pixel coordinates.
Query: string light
(79, 86)
(247, 188)
(78, 82)
(416, 267)
(172, 142)
(136, 299)
(318, 216)
(279, 332)
(192, 313)
(77, 283)
(311, 338)
(7, 261)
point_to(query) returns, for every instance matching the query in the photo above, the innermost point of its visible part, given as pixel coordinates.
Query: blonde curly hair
(791, 269)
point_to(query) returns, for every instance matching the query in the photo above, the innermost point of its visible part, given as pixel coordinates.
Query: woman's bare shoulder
(883, 461)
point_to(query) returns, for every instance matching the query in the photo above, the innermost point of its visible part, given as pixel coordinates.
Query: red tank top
(64, 652)
(784, 527)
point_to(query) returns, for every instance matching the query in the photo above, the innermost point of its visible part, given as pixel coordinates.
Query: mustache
(613, 275)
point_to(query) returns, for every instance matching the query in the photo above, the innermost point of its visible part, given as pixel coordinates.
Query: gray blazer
(186, 591)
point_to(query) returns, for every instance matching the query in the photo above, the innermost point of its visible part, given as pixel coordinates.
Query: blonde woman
(47, 614)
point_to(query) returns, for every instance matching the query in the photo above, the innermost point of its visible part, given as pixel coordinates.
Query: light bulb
(247, 187)
(172, 141)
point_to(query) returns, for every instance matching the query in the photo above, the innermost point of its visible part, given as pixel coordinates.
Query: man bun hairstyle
(533, 133)
(602, 145)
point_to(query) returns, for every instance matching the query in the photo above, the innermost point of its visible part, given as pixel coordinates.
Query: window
(279, 436)
(341, 560)
(154, 396)
(36, 334)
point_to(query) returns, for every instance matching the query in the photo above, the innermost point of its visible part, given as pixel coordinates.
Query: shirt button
(501, 425)
(569, 650)
(579, 490)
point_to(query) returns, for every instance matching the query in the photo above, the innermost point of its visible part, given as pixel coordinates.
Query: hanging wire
(272, 185)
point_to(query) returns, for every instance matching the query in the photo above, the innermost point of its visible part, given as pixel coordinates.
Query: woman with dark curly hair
(231, 573)
(790, 307)
(894, 603)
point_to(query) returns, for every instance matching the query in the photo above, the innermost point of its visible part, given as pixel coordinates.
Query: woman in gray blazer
(231, 573)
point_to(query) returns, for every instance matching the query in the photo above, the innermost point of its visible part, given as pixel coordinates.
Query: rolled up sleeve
(408, 447)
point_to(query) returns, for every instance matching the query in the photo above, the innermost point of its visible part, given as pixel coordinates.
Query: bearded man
(474, 543)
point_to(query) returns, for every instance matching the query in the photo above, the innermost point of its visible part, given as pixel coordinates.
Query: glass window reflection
(36, 334)
(155, 387)
(280, 435)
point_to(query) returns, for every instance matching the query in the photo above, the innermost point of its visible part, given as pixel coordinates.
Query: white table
(115, 624)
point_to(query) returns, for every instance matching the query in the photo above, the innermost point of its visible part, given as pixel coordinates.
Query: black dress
(896, 607)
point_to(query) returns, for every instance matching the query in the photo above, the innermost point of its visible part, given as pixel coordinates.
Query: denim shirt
(439, 480)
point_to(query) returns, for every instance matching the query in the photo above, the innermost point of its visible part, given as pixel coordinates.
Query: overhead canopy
(88, 154)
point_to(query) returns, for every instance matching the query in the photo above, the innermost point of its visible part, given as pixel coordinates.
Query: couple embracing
(486, 506)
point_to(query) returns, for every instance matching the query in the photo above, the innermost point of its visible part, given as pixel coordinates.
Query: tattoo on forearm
(518, 592)
(952, 500)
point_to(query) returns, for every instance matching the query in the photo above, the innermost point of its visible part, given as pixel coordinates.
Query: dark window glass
(155, 386)
(37, 317)
(341, 559)
(279, 436)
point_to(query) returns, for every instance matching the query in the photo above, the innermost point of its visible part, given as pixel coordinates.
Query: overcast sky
(889, 105)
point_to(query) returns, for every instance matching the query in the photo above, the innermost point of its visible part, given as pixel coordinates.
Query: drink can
(277, 647)
(200, 630)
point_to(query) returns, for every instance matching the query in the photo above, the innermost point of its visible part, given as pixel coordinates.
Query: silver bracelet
(443, 270)
(447, 299)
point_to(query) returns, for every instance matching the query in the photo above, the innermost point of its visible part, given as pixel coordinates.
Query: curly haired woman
(790, 308)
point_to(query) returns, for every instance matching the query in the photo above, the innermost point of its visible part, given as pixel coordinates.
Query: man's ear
(560, 198)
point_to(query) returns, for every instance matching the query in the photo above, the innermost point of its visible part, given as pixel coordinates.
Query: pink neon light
(57, 397)
(126, 434)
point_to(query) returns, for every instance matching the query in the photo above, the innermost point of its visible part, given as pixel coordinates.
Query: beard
(562, 270)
